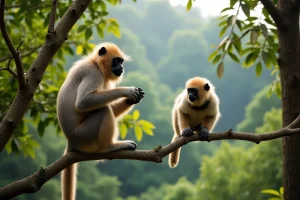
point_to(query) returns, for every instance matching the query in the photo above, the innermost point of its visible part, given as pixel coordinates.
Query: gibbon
(88, 105)
(196, 109)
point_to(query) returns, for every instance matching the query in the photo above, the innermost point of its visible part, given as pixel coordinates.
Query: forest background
(169, 45)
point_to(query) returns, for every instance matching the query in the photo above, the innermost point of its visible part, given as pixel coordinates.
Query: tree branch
(35, 181)
(52, 17)
(280, 20)
(14, 52)
(35, 73)
(7, 68)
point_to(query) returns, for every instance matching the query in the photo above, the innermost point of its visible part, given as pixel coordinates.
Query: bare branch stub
(52, 17)
(14, 52)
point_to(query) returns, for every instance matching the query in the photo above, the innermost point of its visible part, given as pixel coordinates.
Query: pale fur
(88, 106)
(185, 116)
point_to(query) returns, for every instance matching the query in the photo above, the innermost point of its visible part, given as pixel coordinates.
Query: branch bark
(35, 181)
(35, 73)
(280, 20)
(13, 51)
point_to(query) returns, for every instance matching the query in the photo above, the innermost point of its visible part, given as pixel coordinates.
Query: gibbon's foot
(132, 145)
(187, 132)
(203, 134)
(140, 95)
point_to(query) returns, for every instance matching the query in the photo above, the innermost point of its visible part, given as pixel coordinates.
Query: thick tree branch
(13, 51)
(35, 73)
(52, 17)
(280, 20)
(35, 181)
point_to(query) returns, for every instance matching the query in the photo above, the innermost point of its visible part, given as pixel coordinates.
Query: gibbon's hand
(136, 96)
(203, 134)
(187, 132)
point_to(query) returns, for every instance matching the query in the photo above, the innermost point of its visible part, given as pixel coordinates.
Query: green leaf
(223, 31)
(138, 132)
(232, 2)
(136, 115)
(258, 69)
(88, 33)
(220, 70)
(275, 198)
(233, 57)
(79, 49)
(216, 59)
(100, 31)
(212, 55)
(189, 5)
(30, 152)
(246, 9)
(281, 190)
(264, 30)
(271, 191)
(102, 5)
(225, 9)
(81, 28)
(266, 59)
(146, 124)
(123, 130)
(250, 59)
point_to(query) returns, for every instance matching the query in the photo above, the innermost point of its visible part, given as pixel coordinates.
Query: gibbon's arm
(89, 98)
(183, 121)
(121, 107)
(210, 122)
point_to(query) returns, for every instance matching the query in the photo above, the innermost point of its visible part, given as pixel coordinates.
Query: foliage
(223, 175)
(260, 50)
(21, 17)
(255, 110)
(139, 126)
(276, 195)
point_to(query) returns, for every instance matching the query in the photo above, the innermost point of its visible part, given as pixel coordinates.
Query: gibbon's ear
(206, 87)
(102, 51)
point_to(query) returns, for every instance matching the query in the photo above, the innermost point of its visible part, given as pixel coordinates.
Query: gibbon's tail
(174, 156)
(68, 182)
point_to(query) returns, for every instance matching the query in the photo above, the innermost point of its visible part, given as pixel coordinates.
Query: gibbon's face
(115, 62)
(197, 91)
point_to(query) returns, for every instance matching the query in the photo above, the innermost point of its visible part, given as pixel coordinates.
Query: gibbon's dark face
(117, 66)
(116, 63)
(193, 94)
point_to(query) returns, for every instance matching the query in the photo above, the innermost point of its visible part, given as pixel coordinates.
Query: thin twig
(34, 182)
(52, 17)
(14, 52)
(7, 68)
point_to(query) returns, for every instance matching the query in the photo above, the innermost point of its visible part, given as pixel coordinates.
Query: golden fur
(184, 115)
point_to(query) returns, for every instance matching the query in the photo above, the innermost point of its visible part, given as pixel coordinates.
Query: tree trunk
(289, 65)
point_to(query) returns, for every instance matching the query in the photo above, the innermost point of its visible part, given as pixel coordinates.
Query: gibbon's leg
(174, 156)
(109, 142)
(121, 107)
(208, 125)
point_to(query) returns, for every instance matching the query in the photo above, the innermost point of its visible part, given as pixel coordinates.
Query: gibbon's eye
(102, 51)
(206, 87)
